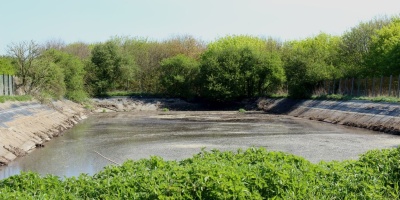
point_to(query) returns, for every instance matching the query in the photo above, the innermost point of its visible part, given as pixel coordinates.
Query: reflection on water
(178, 135)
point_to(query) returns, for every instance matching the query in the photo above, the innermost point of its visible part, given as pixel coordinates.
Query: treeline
(228, 68)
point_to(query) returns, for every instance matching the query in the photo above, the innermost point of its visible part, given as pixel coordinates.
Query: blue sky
(98, 20)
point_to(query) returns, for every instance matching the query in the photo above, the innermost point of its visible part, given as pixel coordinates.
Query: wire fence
(372, 87)
(7, 85)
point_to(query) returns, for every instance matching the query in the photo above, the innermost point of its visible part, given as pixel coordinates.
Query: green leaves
(247, 174)
(73, 71)
(309, 62)
(111, 67)
(240, 66)
(179, 76)
(384, 56)
(6, 66)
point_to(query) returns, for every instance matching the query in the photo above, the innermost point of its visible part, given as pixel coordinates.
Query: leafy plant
(246, 174)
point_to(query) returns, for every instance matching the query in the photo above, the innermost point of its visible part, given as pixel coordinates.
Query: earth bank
(27, 125)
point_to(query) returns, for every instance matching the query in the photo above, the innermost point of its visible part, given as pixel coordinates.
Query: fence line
(375, 86)
(7, 85)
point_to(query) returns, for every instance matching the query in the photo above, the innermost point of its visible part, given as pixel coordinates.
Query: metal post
(5, 84)
(390, 86)
(11, 80)
(380, 86)
(1, 85)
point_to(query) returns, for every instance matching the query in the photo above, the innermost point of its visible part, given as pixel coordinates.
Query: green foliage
(384, 54)
(73, 71)
(47, 79)
(15, 98)
(178, 76)
(355, 46)
(242, 110)
(310, 61)
(250, 174)
(111, 68)
(6, 66)
(340, 97)
(240, 66)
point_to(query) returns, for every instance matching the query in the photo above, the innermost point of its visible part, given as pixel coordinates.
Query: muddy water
(178, 135)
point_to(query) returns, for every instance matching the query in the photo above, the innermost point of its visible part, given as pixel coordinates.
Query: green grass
(338, 97)
(251, 174)
(15, 98)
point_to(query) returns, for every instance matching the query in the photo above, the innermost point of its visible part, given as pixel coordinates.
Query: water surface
(179, 135)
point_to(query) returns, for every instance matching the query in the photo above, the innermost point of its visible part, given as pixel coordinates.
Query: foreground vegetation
(251, 174)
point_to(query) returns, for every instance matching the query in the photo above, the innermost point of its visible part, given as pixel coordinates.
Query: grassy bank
(15, 98)
(251, 174)
(338, 97)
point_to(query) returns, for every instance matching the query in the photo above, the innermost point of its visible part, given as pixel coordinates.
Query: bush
(250, 174)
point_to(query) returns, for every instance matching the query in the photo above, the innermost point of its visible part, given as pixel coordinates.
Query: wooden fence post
(352, 86)
(365, 87)
(380, 86)
(390, 86)
(373, 86)
(398, 87)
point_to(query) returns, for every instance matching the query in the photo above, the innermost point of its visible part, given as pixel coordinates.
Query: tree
(240, 66)
(56, 44)
(355, 46)
(73, 70)
(112, 69)
(384, 56)
(310, 61)
(6, 66)
(47, 81)
(79, 49)
(178, 75)
(24, 54)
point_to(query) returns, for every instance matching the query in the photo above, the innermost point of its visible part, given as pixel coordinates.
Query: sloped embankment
(384, 117)
(27, 125)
